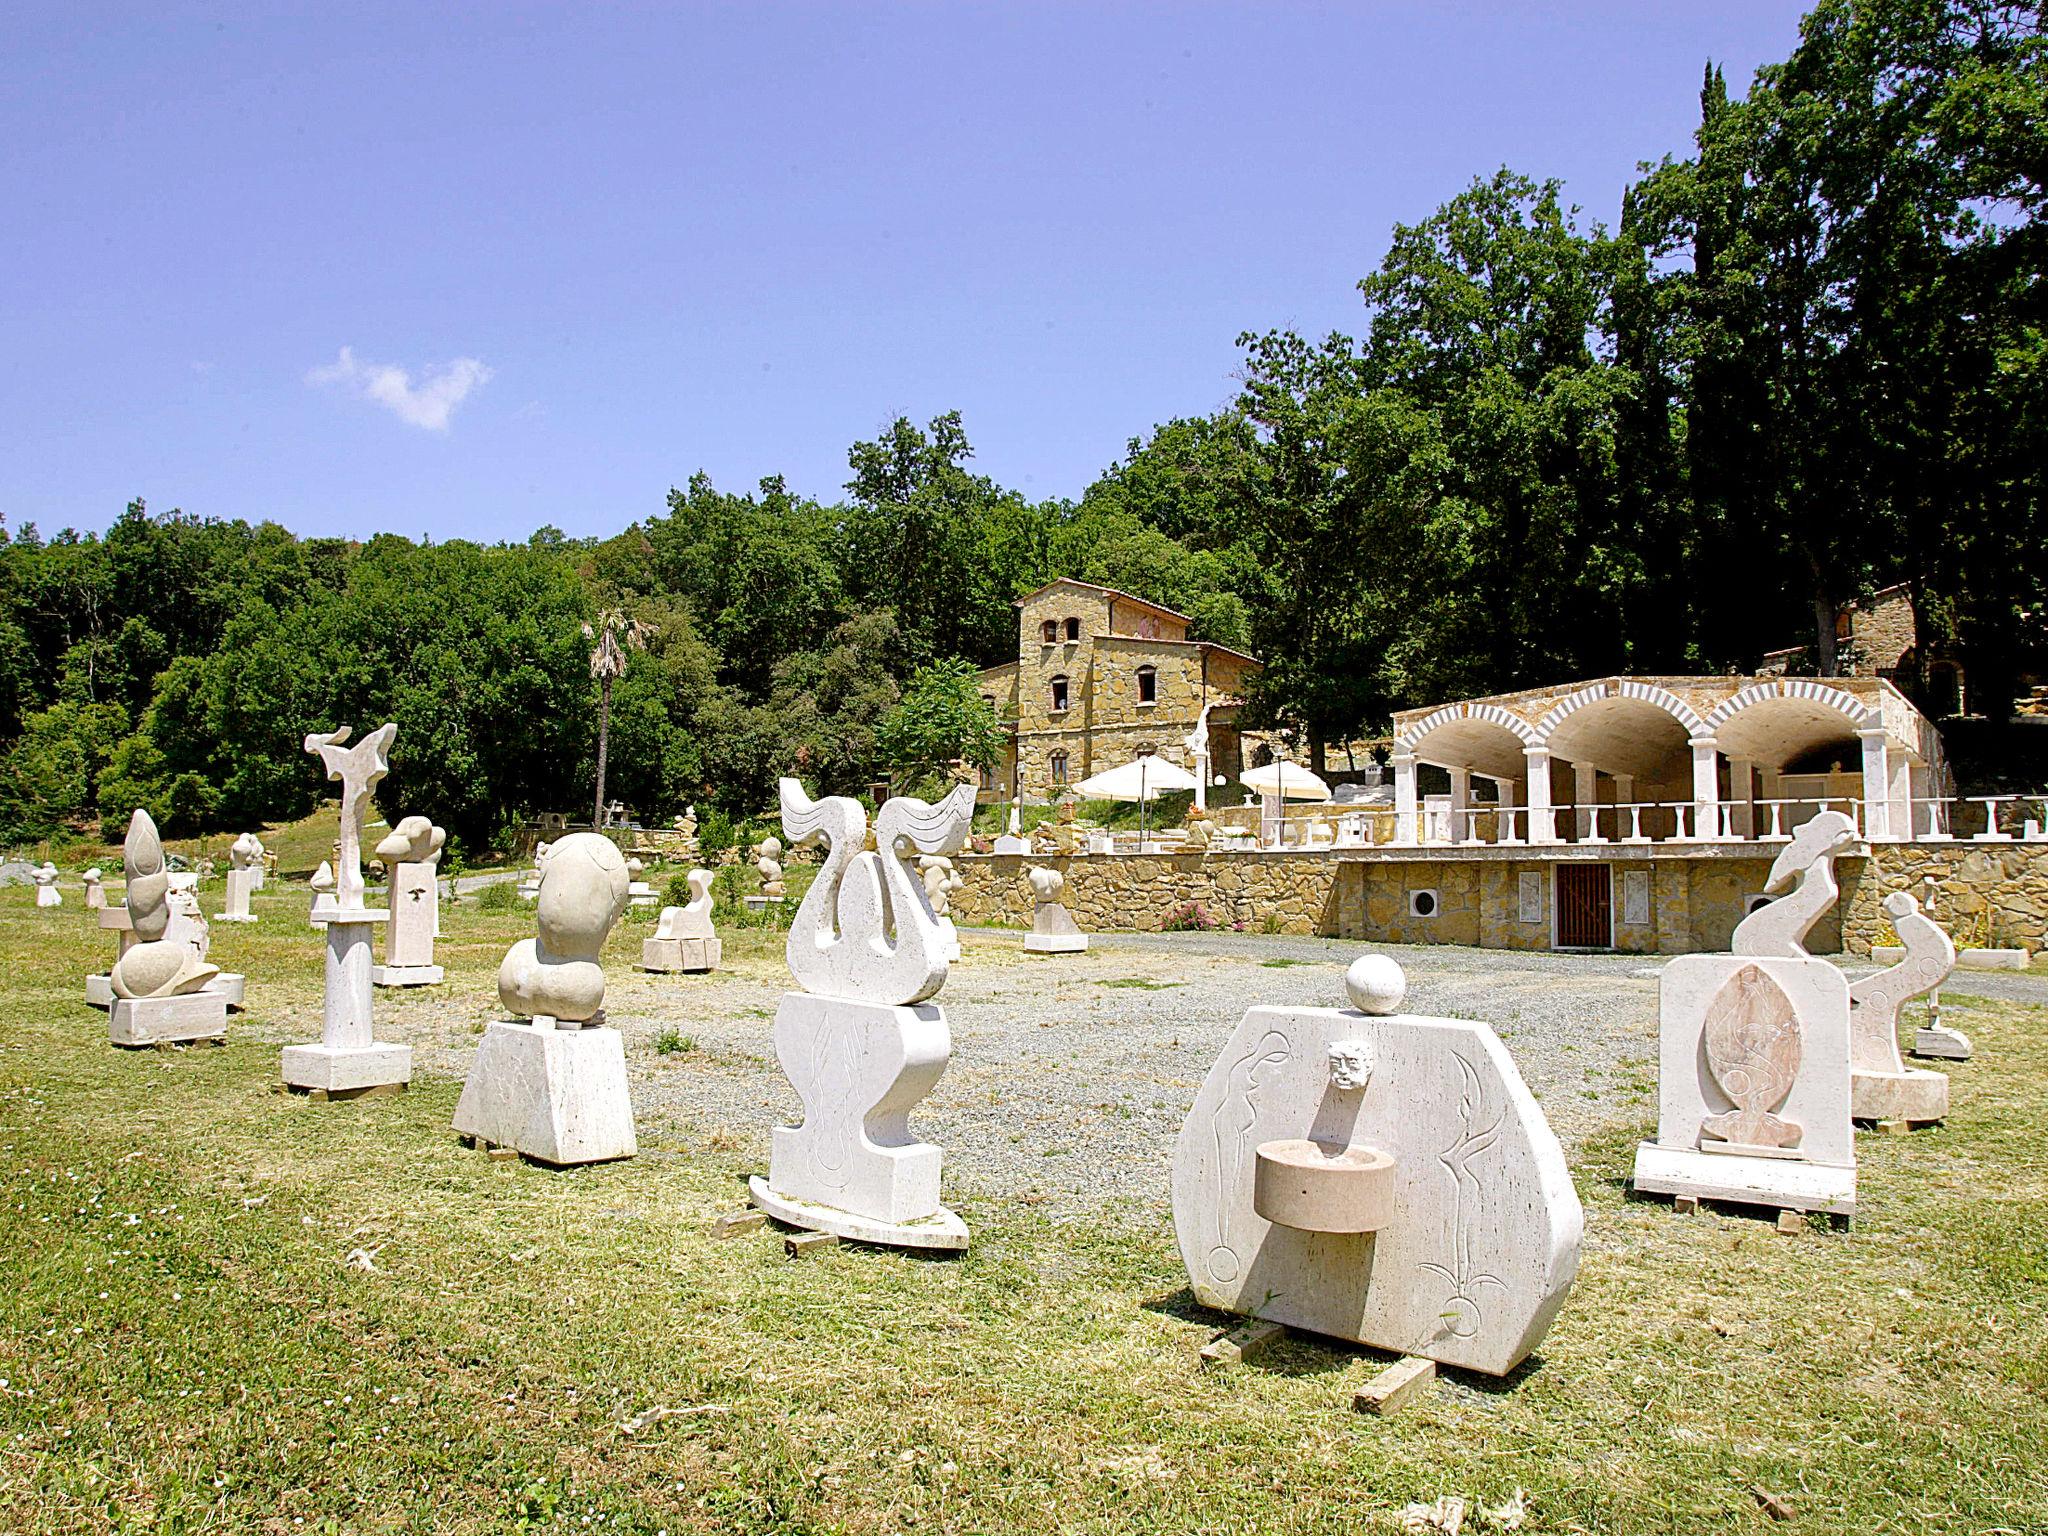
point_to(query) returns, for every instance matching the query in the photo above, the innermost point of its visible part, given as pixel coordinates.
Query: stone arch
(1491, 714)
(1860, 716)
(1623, 688)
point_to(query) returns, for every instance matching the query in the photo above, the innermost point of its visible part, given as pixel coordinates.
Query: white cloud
(429, 404)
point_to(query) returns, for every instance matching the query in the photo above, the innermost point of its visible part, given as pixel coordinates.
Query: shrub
(677, 892)
(671, 1042)
(1189, 917)
(714, 833)
(499, 896)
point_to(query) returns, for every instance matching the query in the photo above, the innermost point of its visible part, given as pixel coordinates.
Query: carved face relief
(1351, 1064)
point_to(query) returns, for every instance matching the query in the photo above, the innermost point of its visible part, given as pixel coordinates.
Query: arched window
(1049, 632)
(1059, 694)
(1148, 685)
(1073, 629)
(1058, 764)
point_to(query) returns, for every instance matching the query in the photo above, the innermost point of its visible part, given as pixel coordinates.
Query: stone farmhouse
(1102, 677)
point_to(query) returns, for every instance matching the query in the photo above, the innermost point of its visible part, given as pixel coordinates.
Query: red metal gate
(1585, 906)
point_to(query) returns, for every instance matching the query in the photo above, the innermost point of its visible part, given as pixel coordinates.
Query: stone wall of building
(1987, 895)
(1301, 894)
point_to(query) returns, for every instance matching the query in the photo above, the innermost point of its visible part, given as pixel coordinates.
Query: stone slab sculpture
(684, 939)
(940, 882)
(1053, 929)
(411, 856)
(550, 1081)
(1380, 1177)
(159, 984)
(95, 890)
(1882, 1086)
(245, 874)
(45, 878)
(349, 1060)
(862, 1043)
(1753, 1076)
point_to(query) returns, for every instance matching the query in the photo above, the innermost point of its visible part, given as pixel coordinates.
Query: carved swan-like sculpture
(847, 939)
(1803, 880)
(1875, 1001)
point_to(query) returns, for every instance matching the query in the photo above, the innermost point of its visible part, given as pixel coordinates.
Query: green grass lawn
(185, 1345)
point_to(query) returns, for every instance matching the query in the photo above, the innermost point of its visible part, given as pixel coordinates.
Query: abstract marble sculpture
(1053, 929)
(1753, 1091)
(684, 939)
(349, 1061)
(550, 1082)
(245, 875)
(940, 882)
(638, 892)
(45, 878)
(1882, 1086)
(411, 855)
(1379, 1177)
(768, 861)
(862, 1043)
(529, 883)
(260, 863)
(322, 885)
(160, 986)
(95, 890)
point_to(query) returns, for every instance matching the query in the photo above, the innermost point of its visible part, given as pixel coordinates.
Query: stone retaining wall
(1987, 895)
(1299, 892)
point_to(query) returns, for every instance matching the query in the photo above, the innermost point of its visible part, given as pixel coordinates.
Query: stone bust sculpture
(1350, 1064)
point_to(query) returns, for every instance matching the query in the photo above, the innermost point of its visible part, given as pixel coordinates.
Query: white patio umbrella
(1283, 781)
(1142, 781)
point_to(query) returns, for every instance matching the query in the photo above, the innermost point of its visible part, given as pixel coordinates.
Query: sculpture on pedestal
(411, 856)
(1378, 1177)
(159, 984)
(768, 861)
(245, 874)
(1053, 929)
(45, 878)
(638, 892)
(860, 1043)
(550, 1082)
(1882, 1086)
(684, 939)
(95, 890)
(349, 1061)
(940, 882)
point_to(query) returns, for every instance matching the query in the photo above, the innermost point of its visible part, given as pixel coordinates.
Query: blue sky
(576, 253)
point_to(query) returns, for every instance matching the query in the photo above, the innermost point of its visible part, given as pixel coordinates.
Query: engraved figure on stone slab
(1753, 1048)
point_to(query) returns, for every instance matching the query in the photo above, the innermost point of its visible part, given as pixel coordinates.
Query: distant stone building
(1881, 638)
(1102, 677)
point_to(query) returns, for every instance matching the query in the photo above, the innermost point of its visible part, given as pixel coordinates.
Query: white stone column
(1504, 797)
(1742, 795)
(1406, 833)
(1586, 796)
(1461, 802)
(1877, 786)
(1770, 787)
(1902, 797)
(1706, 787)
(1542, 818)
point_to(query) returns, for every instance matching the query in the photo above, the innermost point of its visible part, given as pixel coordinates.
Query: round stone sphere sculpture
(583, 891)
(1375, 984)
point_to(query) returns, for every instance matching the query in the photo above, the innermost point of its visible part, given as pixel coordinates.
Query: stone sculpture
(1379, 1177)
(1753, 1080)
(684, 939)
(861, 1043)
(159, 984)
(550, 1082)
(940, 882)
(245, 874)
(1053, 929)
(259, 865)
(323, 892)
(349, 1061)
(638, 892)
(529, 884)
(411, 856)
(1882, 1086)
(95, 890)
(45, 878)
(768, 860)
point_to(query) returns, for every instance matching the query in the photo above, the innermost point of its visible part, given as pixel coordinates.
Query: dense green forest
(1804, 361)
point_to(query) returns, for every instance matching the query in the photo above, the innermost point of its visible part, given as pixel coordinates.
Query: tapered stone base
(942, 1229)
(406, 975)
(1055, 943)
(557, 1095)
(1940, 1043)
(1780, 1183)
(665, 955)
(1914, 1094)
(139, 1021)
(345, 1069)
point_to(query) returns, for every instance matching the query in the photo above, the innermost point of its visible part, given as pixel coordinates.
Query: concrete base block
(1055, 943)
(1992, 959)
(229, 917)
(1939, 1042)
(139, 1021)
(229, 987)
(556, 1095)
(340, 1069)
(99, 991)
(1783, 1183)
(664, 955)
(1914, 1094)
(942, 1229)
(406, 975)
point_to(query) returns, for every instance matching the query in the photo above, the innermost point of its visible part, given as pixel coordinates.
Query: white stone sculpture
(1053, 929)
(1803, 881)
(160, 986)
(1379, 1177)
(47, 894)
(684, 939)
(638, 892)
(245, 874)
(861, 1044)
(768, 861)
(260, 863)
(1882, 1086)
(323, 892)
(551, 1081)
(95, 890)
(349, 1060)
(940, 882)
(411, 856)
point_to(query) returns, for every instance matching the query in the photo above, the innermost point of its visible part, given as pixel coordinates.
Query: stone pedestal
(241, 882)
(140, 1021)
(348, 1058)
(1940, 1043)
(556, 1095)
(852, 1167)
(640, 894)
(664, 955)
(1912, 1093)
(415, 922)
(756, 903)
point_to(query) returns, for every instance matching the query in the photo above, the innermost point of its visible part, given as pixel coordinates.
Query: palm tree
(615, 632)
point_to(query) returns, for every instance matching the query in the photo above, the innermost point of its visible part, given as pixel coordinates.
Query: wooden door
(1585, 906)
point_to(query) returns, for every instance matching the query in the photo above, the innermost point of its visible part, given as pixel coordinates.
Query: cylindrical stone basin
(1318, 1186)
